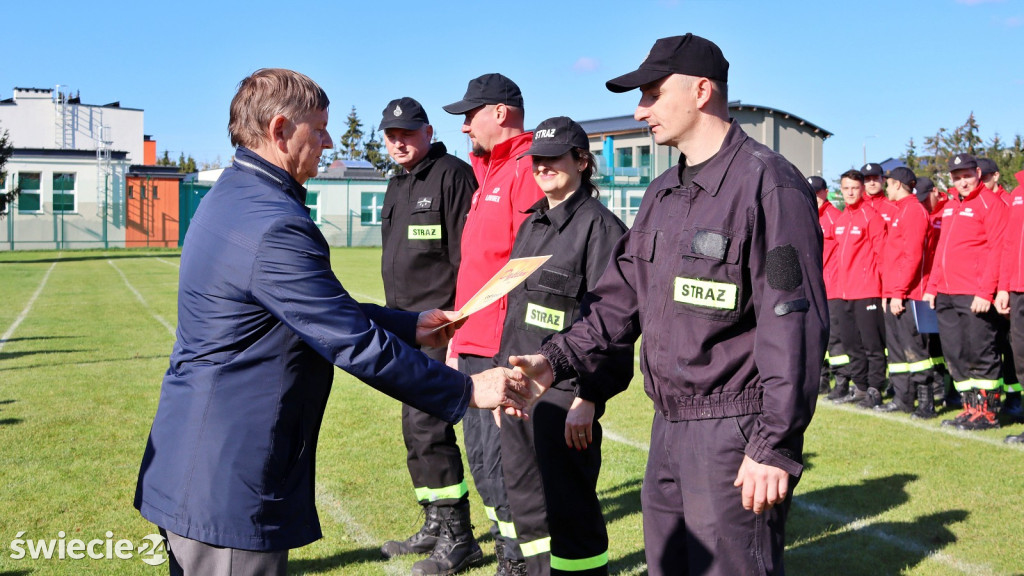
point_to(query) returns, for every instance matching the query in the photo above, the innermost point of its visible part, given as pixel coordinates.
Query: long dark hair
(585, 176)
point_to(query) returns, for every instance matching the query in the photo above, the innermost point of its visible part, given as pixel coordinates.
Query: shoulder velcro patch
(783, 268)
(553, 280)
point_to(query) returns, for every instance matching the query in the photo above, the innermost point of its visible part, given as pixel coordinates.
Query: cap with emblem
(902, 174)
(690, 55)
(817, 184)
(487, 89)
(404, 113)
(871, 170)
(556, 136)
(988, 166)
(962, 161)
(923, 188)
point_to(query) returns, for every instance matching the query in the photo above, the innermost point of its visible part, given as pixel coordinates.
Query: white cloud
(586, 64)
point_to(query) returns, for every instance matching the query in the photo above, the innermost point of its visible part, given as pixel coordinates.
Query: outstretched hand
(433, 327)
(510, 390)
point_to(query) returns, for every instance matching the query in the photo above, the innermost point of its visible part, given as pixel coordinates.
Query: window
(645, 156)
(131, 191)
(624, 158)
(371, 203)
(63, 192)
(30, 199)
(313, 203)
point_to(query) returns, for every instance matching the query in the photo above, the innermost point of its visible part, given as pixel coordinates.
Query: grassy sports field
(84, 340)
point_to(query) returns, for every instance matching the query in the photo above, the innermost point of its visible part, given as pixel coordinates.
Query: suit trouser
(552, 490)
(862, 331)
(189, 557)
(694, 521)
(432, 453)
(968, 343)
(483, 450)
(910, 363)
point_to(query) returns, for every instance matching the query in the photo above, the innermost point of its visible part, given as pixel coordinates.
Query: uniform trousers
(1017, 332)
(862, 332)
(838, 364)
(968, 343)
(432, 453)
(552, 490)
(189, 557)
(694, 521)
(1010, 381)
(483, 451)
(910, 363)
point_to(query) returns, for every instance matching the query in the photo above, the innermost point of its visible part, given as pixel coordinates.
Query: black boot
(925, 403)
(456, 548)
(967, 401)
(986, 406)
(421, 542)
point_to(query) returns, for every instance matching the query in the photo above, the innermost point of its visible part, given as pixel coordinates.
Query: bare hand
(502, 387)
(930, 299)
(579, 424)
(980, 305)
(536, 367)
(762, 486)
(896, 306)
(1002, 302)
(429, 331)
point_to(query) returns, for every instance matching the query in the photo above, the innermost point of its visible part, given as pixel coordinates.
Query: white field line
(329, 503)
(28, 307)
(361, 297)
(142, 300)
(851, 524)
(168, 262)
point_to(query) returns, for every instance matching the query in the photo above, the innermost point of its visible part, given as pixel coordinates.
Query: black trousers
(552, 490)
(483, 451)
(1017, 333)
(968, 343)
(1010, 381)
(910, 362)
(862, 332)
(837, 364)
(432, 453)
(694, 521)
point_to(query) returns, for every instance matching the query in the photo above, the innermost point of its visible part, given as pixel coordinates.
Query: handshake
(513, 389)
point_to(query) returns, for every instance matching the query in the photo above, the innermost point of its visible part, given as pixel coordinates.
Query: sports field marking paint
(365, 297)
(28, 307)
(850, 524)
(926, 425)
(325, 500)
(168, 262)
(142, 300)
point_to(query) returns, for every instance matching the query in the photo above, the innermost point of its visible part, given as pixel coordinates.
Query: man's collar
(251, 162)
(710, 177)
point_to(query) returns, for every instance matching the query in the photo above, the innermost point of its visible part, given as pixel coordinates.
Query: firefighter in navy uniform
(551, 462)
(721, 272)
(421, 227)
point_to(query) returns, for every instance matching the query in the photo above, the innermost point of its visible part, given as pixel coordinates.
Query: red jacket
(860, 234)
(970, 247)
(880, 204)
(903, 257)
(507, 189)
(828, 214)
(1011, 270)
(935, 229)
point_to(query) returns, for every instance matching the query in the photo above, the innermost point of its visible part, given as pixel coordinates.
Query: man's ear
(501, 114)
(702, 89)
(279, 130)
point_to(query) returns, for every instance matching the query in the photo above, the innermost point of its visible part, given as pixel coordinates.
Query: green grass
(80, 377)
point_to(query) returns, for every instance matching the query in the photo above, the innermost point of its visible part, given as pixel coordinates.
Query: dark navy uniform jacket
(724, 279)
(421, 229)
(580, 235)
(262, 321)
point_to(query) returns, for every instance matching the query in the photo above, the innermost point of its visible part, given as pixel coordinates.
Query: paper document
(511, 275)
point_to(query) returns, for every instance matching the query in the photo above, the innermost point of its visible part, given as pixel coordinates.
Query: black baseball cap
(690, 55)
(817, 184)
(487, 89)
(556, 136)
(988, 166)
(871, 169)
(404, 113)
(902, 174)
(923, 188)
(962, 161)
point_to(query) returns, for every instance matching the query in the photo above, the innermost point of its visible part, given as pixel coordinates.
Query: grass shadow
(86, 362)
(620, 501)
(80, 257)
(338, 560)
(13, 355)
(627, 564)
(10, 421)
(15, 572)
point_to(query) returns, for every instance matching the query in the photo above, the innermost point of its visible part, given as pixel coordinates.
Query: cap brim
(402, 124)
(462, 106)
(635, 79)
(547, 150)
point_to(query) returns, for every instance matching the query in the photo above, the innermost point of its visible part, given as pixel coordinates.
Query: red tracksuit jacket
(970, 247)
(828, 214)
(903, 274)
(1011, 271)
(860, 235)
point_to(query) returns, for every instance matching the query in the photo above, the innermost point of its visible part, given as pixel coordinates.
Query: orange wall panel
(152, 219)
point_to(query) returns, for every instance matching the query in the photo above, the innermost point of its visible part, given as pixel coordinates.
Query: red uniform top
(1011, 270)
(903, 274)
(881, 205)
(970, 247)
(860, 234)
(828, 214)
(507, 190)
(935, 229)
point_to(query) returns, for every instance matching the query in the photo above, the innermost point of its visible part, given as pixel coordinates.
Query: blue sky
(873, 73)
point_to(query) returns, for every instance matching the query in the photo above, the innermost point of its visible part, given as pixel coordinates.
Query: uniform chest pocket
(549, 300)
(708, 280)
(425, 231)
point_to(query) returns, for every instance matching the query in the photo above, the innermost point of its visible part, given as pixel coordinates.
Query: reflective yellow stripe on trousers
(567, 565)
(447, 493)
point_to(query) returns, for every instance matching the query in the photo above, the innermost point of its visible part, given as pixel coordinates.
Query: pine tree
(910, 157)
(374, 155)
(350, 143)
(6, 149)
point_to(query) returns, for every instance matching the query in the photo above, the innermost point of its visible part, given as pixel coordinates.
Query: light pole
(864, 148)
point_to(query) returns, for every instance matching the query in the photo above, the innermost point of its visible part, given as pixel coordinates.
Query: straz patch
(545, 317)
(705, 293)
(426, 232)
